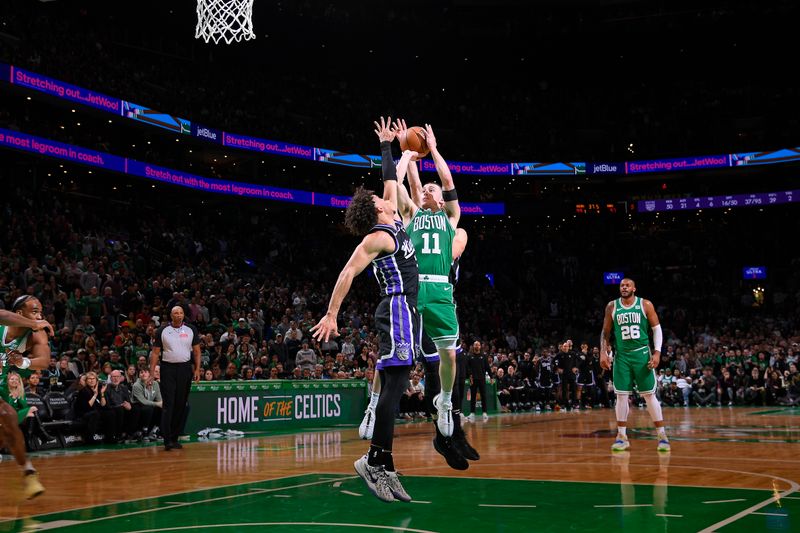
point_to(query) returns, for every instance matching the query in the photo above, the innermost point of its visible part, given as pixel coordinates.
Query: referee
(477, 369)
(178, 342)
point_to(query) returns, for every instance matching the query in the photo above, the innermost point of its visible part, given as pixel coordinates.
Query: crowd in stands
(107, 276)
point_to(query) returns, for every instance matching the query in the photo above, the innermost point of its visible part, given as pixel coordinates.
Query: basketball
(414, 139)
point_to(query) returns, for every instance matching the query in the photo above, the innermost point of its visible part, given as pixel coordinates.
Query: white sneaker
(444, 416)
(485, 417)
(620, 444)
(367, 424)
(375, 477)
(397, 489)
(471, 417)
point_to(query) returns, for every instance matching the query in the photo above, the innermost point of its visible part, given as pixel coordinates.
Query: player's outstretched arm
(386, 135)
(406, 207)
(451, 206)
(369, 248)
(9, 318)
(605, 337)
(414, 182)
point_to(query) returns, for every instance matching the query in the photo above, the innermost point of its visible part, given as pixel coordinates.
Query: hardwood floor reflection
(711, 447)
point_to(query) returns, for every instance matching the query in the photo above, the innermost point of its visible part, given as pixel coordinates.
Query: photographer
(705, 393)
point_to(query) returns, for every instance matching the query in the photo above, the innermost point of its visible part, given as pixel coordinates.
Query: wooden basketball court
(731, 469)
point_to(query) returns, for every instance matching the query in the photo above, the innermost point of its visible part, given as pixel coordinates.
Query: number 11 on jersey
(426, 244)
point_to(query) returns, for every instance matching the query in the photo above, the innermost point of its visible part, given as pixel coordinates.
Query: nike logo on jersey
(447, 288)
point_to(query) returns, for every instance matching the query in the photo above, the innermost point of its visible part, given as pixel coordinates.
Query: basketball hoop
(224, 20)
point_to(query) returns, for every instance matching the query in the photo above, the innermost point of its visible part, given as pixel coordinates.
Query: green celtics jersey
(631, 327)
(432, 236)
(19, 345)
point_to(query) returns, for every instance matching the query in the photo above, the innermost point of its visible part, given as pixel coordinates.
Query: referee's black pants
(176, 380)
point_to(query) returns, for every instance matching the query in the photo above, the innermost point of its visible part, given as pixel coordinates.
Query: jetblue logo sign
(206, 133)
(605, 168)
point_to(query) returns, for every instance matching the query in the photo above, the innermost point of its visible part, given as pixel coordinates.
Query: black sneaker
(463, 447)
(444, 446)
(177, 445)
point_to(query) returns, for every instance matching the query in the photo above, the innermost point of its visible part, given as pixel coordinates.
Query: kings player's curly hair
(361, 216)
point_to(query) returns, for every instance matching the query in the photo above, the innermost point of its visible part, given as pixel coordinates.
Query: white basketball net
(224, 20)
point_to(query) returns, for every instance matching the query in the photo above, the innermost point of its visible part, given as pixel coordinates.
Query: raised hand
(384, 131)
(605, 361)
(430, 137)
(410, 154)
(399, 127)
(45, 325)
(326, 327)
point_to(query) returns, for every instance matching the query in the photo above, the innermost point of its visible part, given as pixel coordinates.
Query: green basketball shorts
(437, 311)
(631, 369)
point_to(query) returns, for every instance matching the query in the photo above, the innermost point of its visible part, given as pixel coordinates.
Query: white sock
(653, 407)
(447, 397)
(622, 431)
(662, 432)
(28, 467)
(373, 399)
(622, 407)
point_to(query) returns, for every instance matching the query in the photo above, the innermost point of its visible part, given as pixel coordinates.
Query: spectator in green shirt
(94, 305)
(77, 304)
(115, 361)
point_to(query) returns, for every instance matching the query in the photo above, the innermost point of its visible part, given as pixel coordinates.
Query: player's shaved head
(177, 314)
(627, 288)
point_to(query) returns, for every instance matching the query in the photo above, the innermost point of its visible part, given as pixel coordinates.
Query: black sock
(374, 455)
(387, 460)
